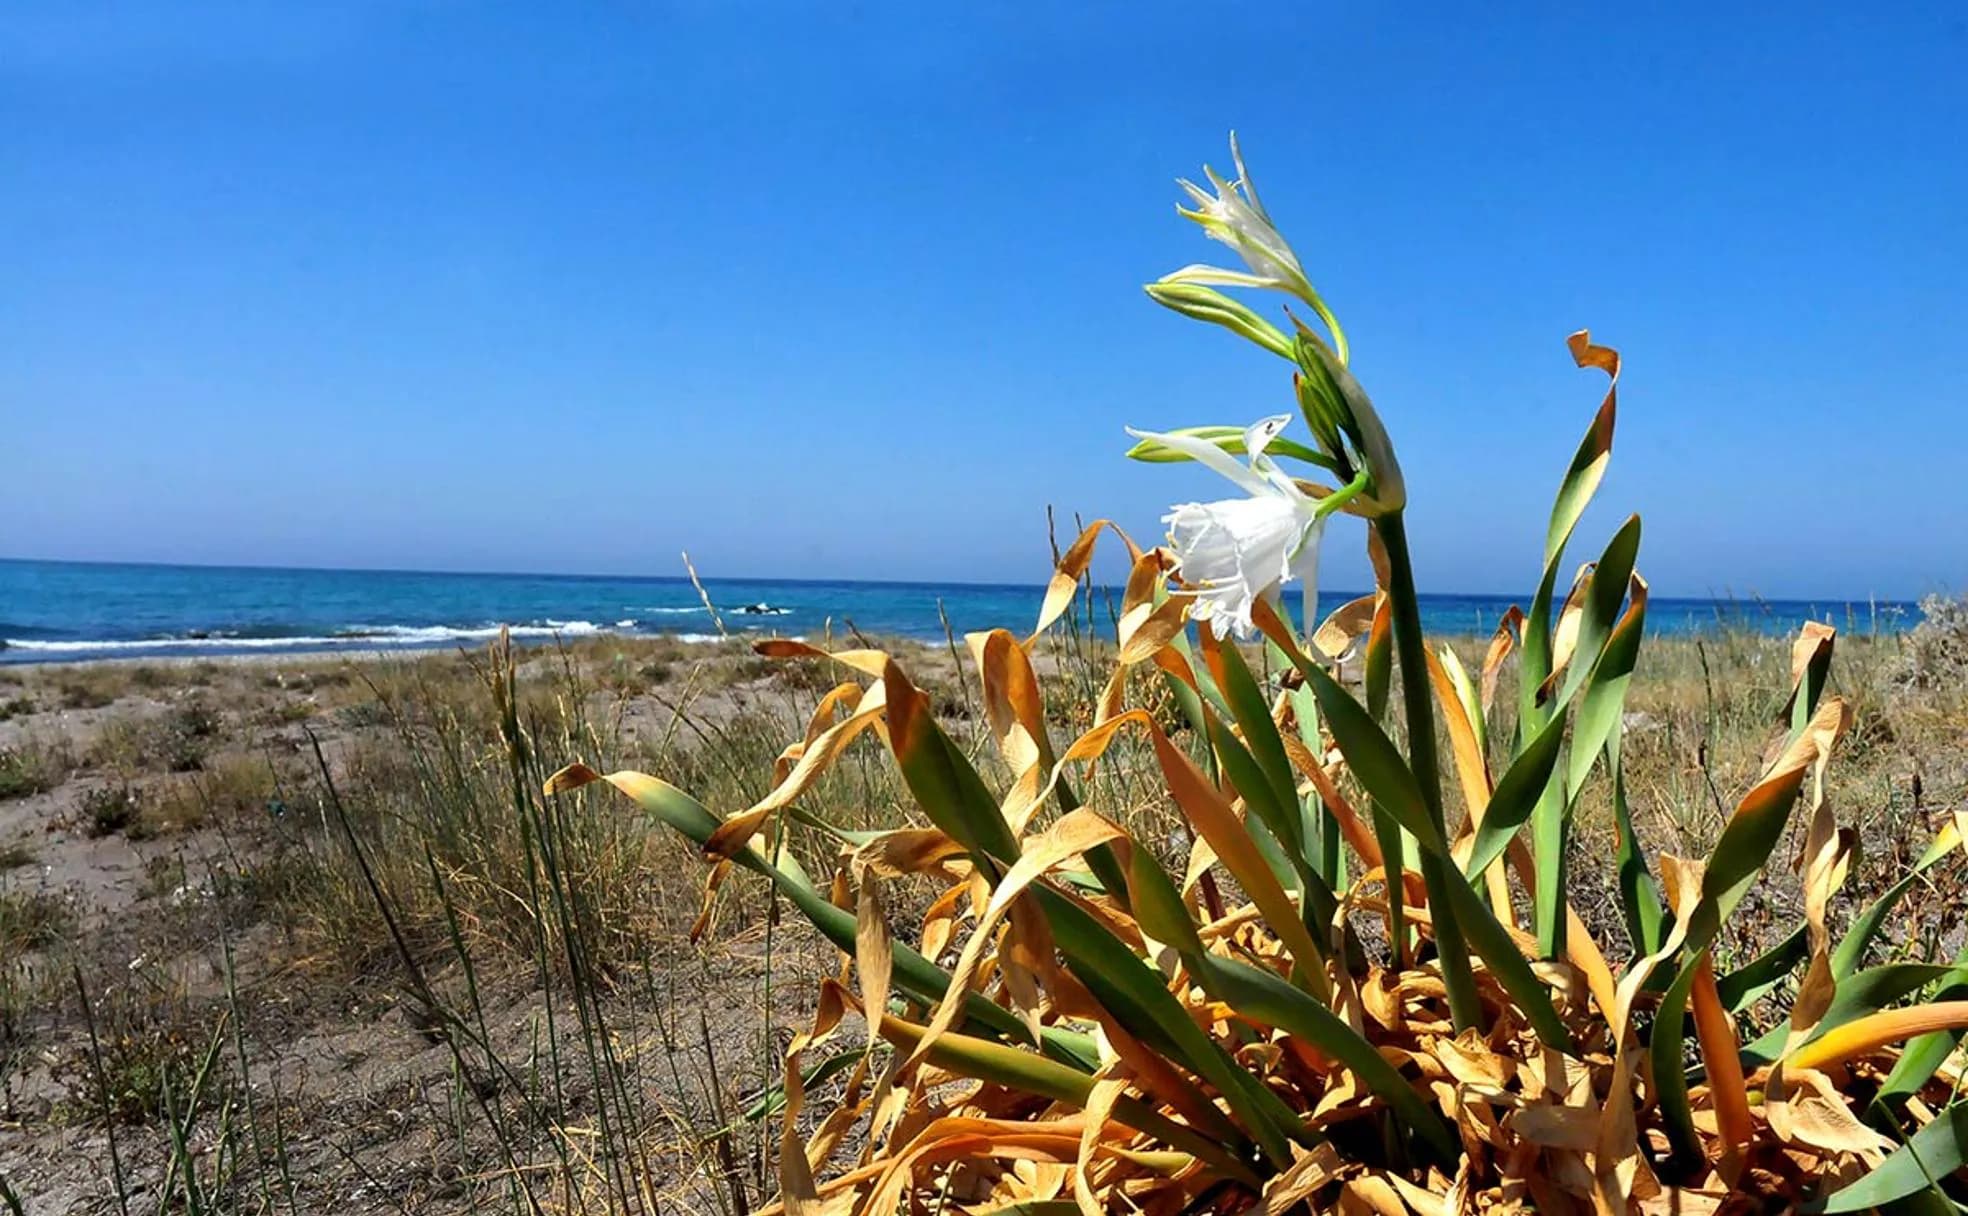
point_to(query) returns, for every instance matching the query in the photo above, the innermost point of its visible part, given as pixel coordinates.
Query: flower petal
(1233, 551)
(1258, 435)
(1205, 453)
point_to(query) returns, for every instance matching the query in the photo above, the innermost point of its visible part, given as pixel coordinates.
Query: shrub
(25, 770)
(33, 920)
(1936, 650)
(110, 809)
(88, 690)
(234, 788)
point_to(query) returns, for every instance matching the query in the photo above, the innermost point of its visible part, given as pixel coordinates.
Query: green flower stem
(1465, 1006)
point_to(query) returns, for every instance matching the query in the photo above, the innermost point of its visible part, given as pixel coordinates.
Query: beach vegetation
(1344, 970)
(33, 918)
(366, 953)
(27, 767)
(108, 810)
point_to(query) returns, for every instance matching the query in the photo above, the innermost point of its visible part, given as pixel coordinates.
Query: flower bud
(1207, 304)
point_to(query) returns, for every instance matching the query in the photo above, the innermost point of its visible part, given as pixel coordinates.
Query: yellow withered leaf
(796, 1189)
(874, 956)
(1501, 644)
(1012, 702)
(1072, 835)
(737, 831)
(1814, 1114)
(1098, 1111)
(1345, 625)
(1870, 1033)
(838, 703)
(867, 662)
(908, 851)
(1565, 635)
(1617, 1162)
(940, 921)
(1072, 568)
(1470, 1060)
(1310, 1172)
(713, 879)
(1721, 1054)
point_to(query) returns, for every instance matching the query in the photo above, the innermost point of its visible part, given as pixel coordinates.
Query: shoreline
(351, 650)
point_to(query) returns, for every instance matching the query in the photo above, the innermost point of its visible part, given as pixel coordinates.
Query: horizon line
(1713, 597)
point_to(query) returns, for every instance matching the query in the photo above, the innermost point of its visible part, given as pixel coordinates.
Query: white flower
(1233, 551)
(1234, 216)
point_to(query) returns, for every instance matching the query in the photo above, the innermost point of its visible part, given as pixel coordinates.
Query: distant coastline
(68, 611)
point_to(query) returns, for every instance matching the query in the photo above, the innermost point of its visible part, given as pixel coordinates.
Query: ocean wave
(353, 636)
(671, 611)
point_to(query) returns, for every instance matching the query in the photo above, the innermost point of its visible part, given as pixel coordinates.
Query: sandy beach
(176, 836)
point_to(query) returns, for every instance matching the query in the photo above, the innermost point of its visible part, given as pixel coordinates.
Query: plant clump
(1356, 983)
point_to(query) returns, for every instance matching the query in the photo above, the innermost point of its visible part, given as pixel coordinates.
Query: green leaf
(1865, 992)
(1670, 1033)
(1252, 711)
(913, 973)
(1737, 860)
(1492, 943)
(1934, 1152)
(1373, 758)
(1640, 900)
(1034, 1074)
(943, 782)
(1740, 988)
(1605, 591)
(1378, 764)
(1266, 998)
(1575, 490)
(1866, 925)
(1602, 707)
(1517, 791)
(1134, 992)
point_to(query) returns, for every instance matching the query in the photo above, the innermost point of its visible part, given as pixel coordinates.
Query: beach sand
(159, 818)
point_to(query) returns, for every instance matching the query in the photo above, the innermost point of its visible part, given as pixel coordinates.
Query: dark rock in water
(763, 609)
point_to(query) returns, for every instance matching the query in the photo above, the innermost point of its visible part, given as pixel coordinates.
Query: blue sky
(853, 290)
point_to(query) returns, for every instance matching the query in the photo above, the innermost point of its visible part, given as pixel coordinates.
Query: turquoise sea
(74, 610)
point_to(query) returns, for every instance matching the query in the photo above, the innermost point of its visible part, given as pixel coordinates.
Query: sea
(67, 611)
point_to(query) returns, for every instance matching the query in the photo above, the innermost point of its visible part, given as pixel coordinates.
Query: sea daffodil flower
(1233, 551)
(1234, 215)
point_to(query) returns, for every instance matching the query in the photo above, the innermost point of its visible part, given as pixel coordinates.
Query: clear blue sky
(853, 290)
